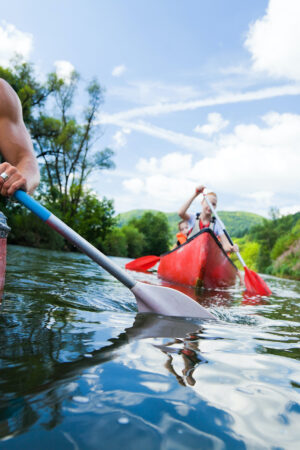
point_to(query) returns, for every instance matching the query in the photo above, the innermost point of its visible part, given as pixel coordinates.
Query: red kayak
(200, 262)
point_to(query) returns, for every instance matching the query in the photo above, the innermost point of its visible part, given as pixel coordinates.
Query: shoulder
(10, 105)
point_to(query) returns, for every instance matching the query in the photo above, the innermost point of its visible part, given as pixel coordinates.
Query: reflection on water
(81, 369)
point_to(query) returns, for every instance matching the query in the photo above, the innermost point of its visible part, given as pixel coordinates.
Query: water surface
(81, 369)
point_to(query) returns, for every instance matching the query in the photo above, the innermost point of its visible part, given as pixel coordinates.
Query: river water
(81, 369)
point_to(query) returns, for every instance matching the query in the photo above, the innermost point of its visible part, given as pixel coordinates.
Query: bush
(115, 243)
(135, 241)
(249, 251)
(156, 231)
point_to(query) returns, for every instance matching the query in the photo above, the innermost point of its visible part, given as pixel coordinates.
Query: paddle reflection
(185, 344)
(190, 354)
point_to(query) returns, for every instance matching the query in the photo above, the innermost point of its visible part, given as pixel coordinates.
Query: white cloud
(150, 92)
(134, 185)
(118, 70)
(254, 158)
(171, 163)
(262, 198)
(64, 70)
(215, 123)
(274, 39)
(293, 209)
(14, 41)
(179, 139)
(223, 99)
(254, 165)
(120, 137)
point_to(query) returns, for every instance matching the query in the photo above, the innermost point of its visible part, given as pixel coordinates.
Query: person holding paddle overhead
(205, 220)
(20, 168)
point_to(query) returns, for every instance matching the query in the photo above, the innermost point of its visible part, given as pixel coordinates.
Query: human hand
(11, 180)
(199, 189)
(234, 248)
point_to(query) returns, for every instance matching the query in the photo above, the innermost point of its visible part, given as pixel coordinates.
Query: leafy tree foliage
(149, 234)
(156, 231)
(115, 243)
(249, 250)
(32, 93)
(67, 149)
(29, 230)
(135, 241)
(267, 234)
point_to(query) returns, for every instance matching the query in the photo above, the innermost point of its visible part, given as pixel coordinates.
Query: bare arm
(15, 146)
(183, 210)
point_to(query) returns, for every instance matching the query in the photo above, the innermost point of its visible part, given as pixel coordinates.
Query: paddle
(143, 263)
(254, 283)
(158, 299)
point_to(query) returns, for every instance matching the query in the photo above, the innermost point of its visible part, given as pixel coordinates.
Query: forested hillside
(273, 247)
(236, 222)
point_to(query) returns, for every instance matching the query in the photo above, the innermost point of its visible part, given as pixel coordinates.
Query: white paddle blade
(167, 301)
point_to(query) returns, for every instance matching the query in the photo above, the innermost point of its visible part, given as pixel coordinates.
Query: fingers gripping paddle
(143, 263)
(254, 283)
(158, 299)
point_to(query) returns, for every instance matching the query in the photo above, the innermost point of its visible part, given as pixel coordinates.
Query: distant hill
(237, 222)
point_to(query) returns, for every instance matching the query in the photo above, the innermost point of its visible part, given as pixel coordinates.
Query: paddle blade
(143, 263)
(255, 284)
(167, 301)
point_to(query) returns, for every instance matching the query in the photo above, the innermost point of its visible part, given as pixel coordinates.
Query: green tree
(32, 93)
(156, 231)
(94, 218)
(115, 243)
(267, 234)
(67, 149)
(135, 241)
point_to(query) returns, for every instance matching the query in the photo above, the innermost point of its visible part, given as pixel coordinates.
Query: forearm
(28, 167)
(227, 245)
(20, 162)
(182, 212)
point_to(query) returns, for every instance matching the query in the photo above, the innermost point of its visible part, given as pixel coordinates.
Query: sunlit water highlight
(80, 369)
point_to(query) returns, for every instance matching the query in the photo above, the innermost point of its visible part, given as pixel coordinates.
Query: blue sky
(196, 92)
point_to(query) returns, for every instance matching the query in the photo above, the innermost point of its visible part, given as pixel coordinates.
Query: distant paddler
(18, 168)
(204, 219)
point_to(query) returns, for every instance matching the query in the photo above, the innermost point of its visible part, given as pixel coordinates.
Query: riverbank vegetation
(273, 247)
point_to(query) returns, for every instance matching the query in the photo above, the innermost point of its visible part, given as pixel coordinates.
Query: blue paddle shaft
(77, 240)
(32, 205)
